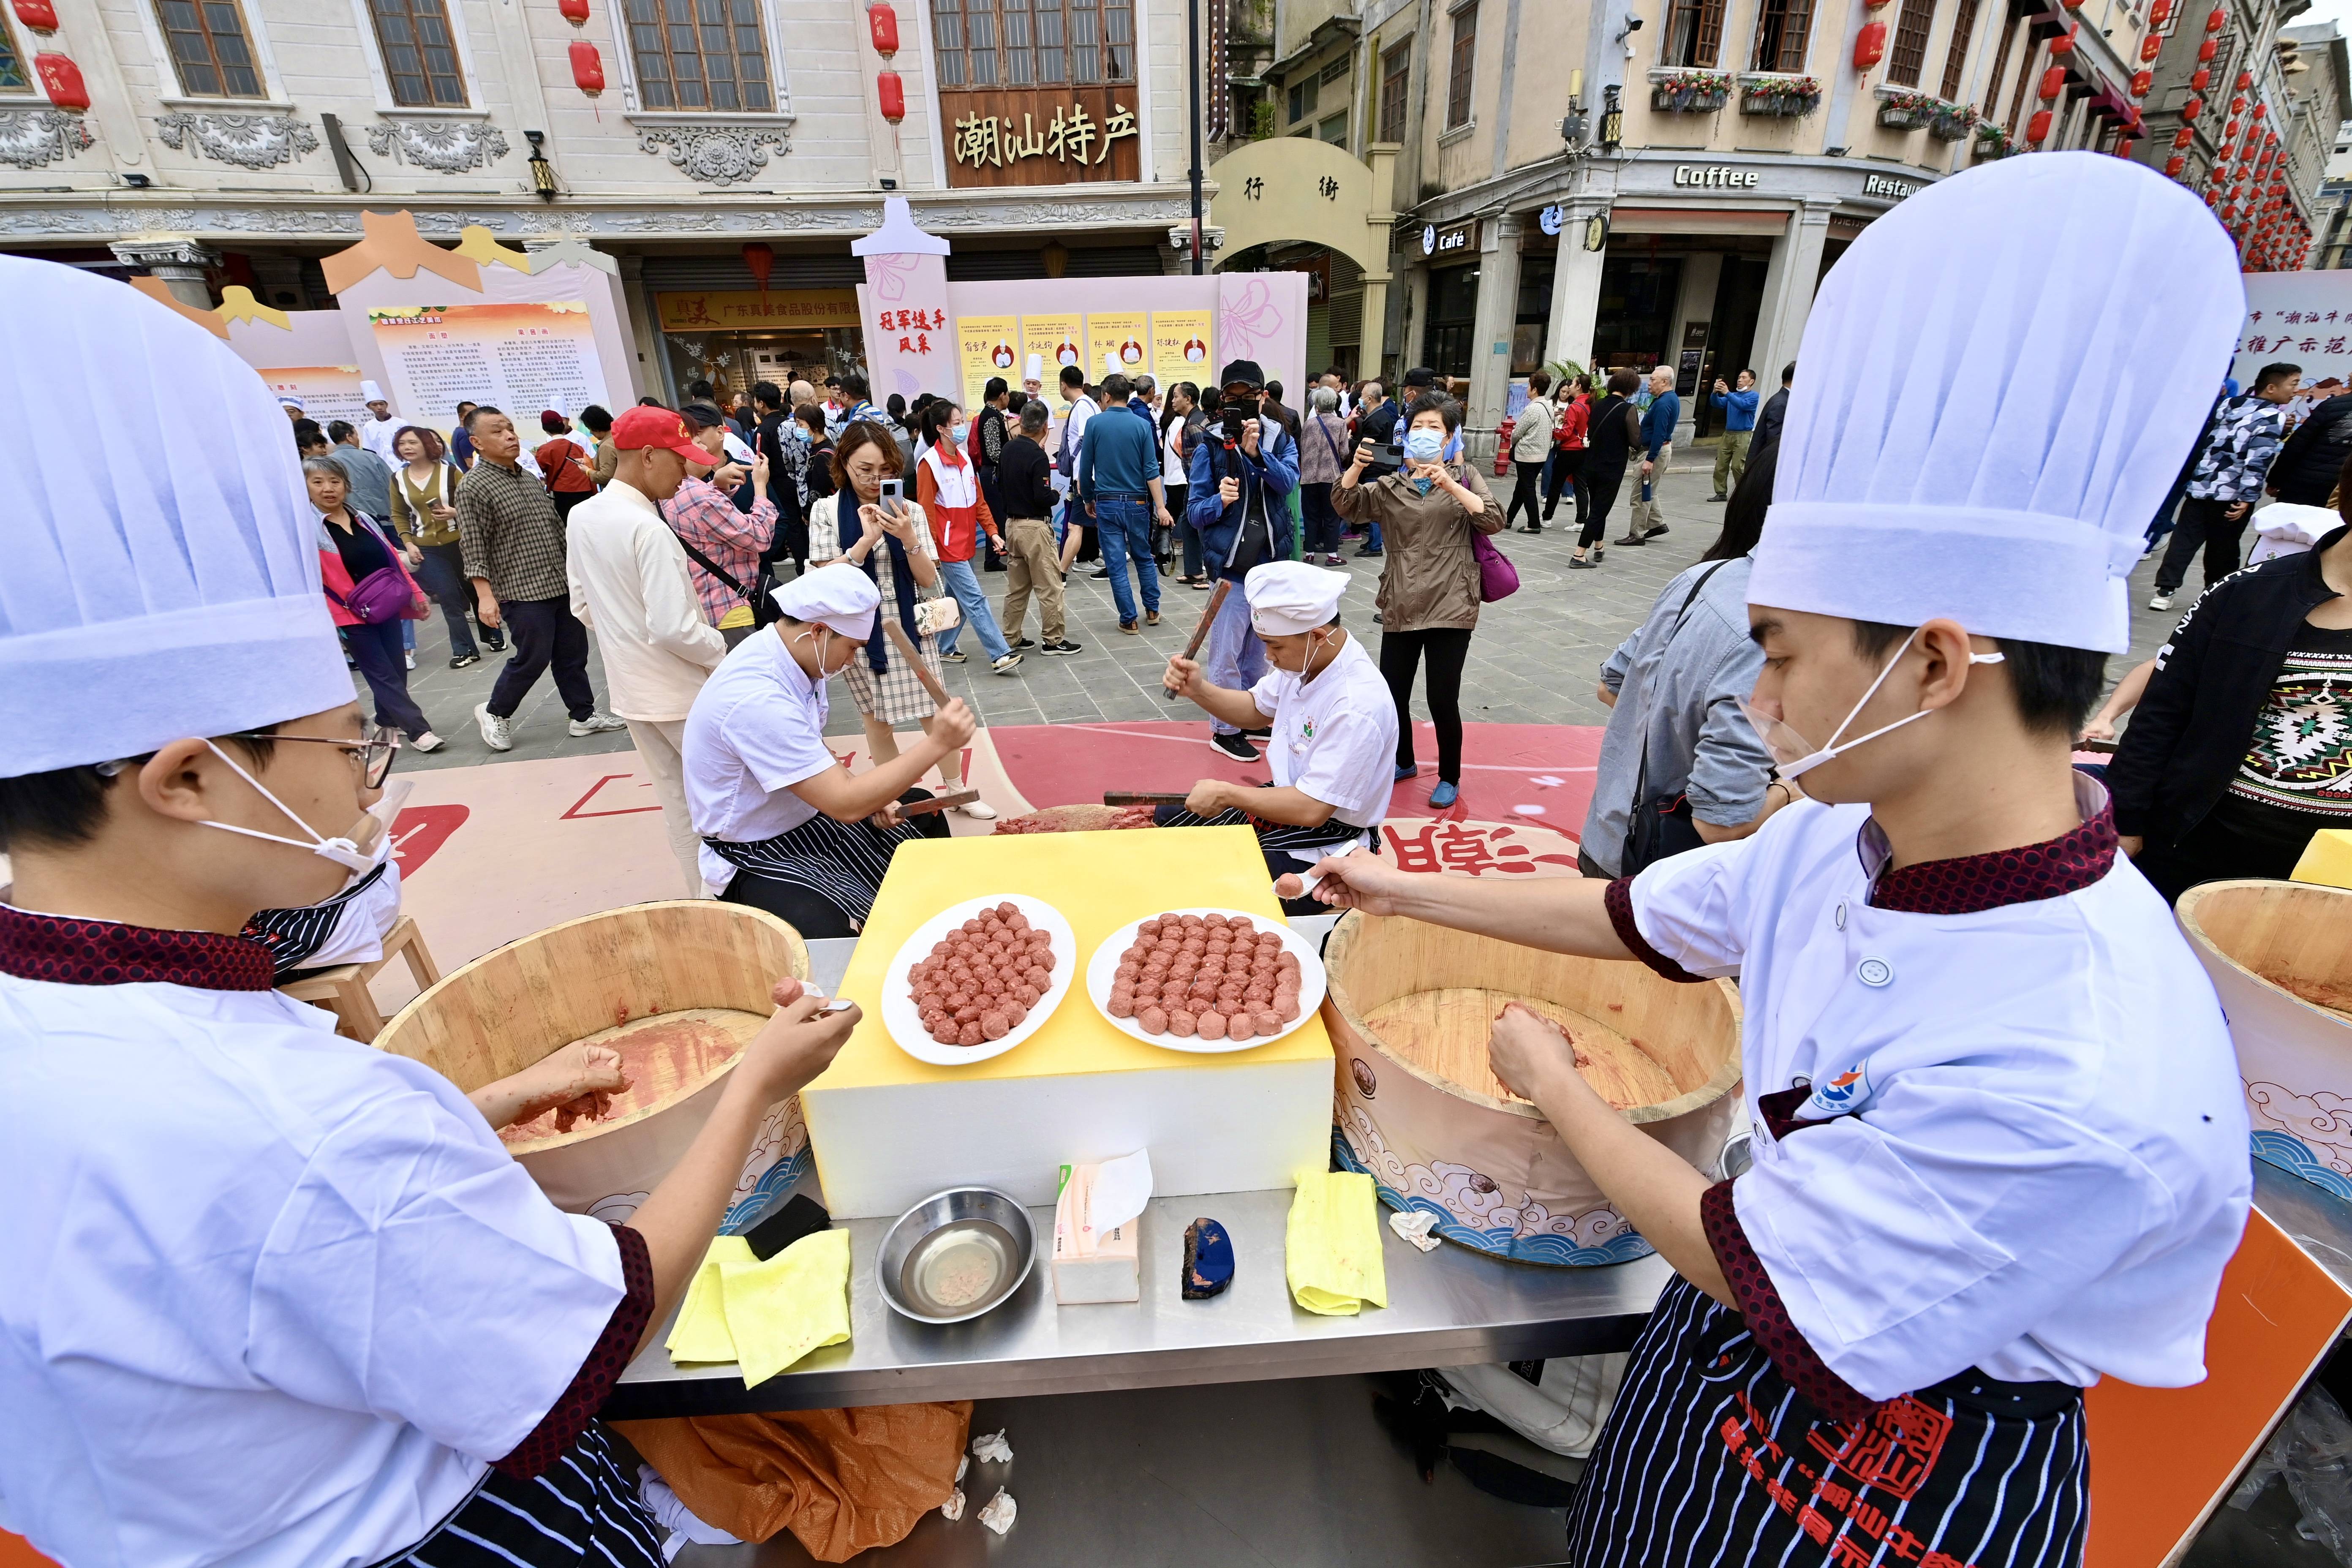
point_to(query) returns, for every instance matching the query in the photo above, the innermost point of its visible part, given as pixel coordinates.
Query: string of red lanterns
(890, 88)
(60, 77)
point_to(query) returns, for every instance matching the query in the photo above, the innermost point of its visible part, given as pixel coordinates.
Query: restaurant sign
(789, 310)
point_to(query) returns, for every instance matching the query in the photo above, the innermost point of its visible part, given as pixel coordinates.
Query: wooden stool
(343, 989)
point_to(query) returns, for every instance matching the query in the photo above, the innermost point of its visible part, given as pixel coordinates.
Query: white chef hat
(288, 400)
(1034, 368)
(844, 600)
(1288, 597)
(163, 582)
(371, 393)
(1998, 385)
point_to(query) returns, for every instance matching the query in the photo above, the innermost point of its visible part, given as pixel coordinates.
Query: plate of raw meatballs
(1206, 979)
(978, 978)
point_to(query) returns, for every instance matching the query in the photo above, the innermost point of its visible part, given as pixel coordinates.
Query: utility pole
(1192, 59)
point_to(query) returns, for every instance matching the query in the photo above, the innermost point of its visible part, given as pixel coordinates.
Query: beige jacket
(1428, 580)
(1531, 435)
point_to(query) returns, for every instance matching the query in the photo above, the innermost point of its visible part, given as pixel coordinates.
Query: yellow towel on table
(765, 1316)
(1333, 1253)
(2326, 859)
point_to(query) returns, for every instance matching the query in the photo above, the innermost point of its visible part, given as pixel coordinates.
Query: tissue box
(888, 1131)
(1089, 1266)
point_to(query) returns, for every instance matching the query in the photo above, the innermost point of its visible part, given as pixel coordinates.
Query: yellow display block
(888, 1131)
(2326, 859)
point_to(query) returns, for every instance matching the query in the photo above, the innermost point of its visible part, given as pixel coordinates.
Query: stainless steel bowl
(956, 1255)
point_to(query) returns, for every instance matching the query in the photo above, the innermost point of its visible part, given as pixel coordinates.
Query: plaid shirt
(704, 516)
(510, 533)
(2246, 436)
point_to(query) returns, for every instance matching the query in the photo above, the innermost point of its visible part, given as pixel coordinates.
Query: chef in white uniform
(2000, 1149)
(267, 1296)
(1333, 727)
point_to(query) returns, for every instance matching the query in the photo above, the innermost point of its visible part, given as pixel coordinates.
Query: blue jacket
(1274, 471)
(1658, 422)
(1739, 409)
(1117, 456)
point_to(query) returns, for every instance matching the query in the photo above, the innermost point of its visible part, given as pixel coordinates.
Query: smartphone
(894, 497)
(1235, 415)
(1393, 453)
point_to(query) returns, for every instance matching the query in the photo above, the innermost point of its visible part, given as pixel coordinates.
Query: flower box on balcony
(1684, 91)
(1790, 96)
(1952, 123)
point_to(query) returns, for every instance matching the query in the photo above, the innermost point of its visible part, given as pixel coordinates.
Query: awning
(1695, 220)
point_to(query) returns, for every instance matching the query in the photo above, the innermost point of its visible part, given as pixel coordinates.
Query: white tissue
(952, 1510)
(999, 1511)
(963, 1463)
(1414, 1226)
(1122, 1187)
(991, 1449)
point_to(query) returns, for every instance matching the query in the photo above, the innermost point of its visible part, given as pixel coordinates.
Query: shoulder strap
(713, 567)
(1642, 771)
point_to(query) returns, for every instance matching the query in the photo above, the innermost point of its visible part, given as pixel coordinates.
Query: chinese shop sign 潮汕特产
(1071, 136)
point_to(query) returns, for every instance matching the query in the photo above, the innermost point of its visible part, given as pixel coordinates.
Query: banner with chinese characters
(1117, 340)
(801, 310)
(1179, 348)
(1058, 338)
(913, 331)
(329, 391)
(987, 346)
(2296, 318)
(1041, 136)
(519, 357)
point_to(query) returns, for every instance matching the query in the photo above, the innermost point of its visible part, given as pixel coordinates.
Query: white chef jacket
(1335, 736)
(627, 575)
(378, 435)
(2045, 1165)
(756, 729)
(267, 1296)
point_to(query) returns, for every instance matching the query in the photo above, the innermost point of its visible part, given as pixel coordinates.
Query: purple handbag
(384, 595)
(1497, 578)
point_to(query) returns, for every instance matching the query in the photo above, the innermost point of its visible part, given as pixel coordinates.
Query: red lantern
(2199, 79)
(38, 16)
(2206, 51)
(587, 68)
(2063, 45)
(2174, 165)
(573, 11)
(2141, 82)
(2159, 13)
(2217, 21)
(2053, 82)
(2245, 81)
(892, 92)
(2182, 137)
(2149, 47)
(2192, 109)
(2037, 130)
(61, 79)
(2237, 105)
(1869, 44)
(2261, 110)
(882, 26)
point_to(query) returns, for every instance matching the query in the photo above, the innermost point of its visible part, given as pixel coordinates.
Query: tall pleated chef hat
(1288, 597)
(163, 582)
(844, 601)
(1998, 385)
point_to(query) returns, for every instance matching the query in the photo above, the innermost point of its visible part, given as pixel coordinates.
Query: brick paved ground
(1535, 660)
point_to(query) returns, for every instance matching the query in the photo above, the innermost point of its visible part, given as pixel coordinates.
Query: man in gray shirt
(371, 481)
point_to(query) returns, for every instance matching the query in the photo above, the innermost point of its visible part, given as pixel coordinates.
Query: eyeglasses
(373, 751)
(1241, 389)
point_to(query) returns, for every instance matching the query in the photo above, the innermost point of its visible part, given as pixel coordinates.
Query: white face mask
(365, 846)
(1798, 756)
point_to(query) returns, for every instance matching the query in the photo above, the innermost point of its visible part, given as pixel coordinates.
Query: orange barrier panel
(15, 1554)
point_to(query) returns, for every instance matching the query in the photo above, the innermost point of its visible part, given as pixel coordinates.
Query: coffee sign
(1458, 239)
(1715, 174)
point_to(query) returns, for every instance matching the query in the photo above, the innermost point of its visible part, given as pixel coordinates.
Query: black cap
(1244, 371)
(1421, 375)
(701, 416)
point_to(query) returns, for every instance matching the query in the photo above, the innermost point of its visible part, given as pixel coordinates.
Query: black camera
(1235, 415)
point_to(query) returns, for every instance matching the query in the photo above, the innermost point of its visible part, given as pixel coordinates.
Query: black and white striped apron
(1711, 1458)
(582, 1510)
(295, 936)
(1273, 838)
(841, 862)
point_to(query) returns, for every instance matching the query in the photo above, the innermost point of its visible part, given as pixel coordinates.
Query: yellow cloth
(2326, 859)
(1333, 1253)
(741, 615)
(765, 1316)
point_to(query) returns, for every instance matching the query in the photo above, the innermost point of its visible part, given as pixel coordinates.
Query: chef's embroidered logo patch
(1306, 730)
(1840, 1093)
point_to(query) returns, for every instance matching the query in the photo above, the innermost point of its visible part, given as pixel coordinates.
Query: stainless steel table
(1447, 1308)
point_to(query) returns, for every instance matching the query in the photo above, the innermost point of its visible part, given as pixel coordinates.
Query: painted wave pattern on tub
(1471, 1210)
(2320, 1124)
(779, 1156)
(2289, 1155)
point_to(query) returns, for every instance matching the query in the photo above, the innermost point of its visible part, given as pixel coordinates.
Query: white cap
(1288, 597)
(1997, 386)
(844, 599)
(371, 393)
(1034, 369)
(161, 584)
(288, 400)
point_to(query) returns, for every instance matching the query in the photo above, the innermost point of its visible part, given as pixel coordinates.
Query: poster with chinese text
(1056, 340)
(987, 346)
(1115, 342)
(521, 357)
(1179, 348)
(2296, 318)
(329, 391)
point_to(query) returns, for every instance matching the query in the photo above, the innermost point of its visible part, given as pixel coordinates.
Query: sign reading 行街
(791, 310)
(2295, 317)
(1115, 342)
(1181, 348)
(987, 346)
(1718, 176)
(1040, 136)
(516, 356)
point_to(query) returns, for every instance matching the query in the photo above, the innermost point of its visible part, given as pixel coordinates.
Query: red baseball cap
(647, 426)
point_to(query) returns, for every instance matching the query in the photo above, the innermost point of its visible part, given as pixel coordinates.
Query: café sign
(1457, 239)
(1716, 176)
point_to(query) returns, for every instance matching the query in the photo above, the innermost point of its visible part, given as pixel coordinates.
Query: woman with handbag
(1322, 441)
(370, 594)
(1430, 513)
(1613, 433)
(893, 547)
(425, 518)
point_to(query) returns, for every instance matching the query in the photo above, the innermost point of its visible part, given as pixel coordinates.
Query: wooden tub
(2279, 953)
(1409, 1008)
(680, 984)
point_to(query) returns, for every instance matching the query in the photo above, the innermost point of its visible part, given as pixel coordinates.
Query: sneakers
(952, 655)
(1333, 559)
(1234, 746)
(1131, 628)
(1263, 732)
(2159, 600)
(1100, 574)
(495, 641)
(1150, 618)
(1444, 795)
(428, 742)
(409, 660)
(1064, 645)
(978, 810)
(493, 727)
(1022, 645)
(1007, 665)
(463, 659)
(598, 723)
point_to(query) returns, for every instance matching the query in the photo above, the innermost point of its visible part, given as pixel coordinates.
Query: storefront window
(1694, 33)
(733, 362)
(1636, 323)
(1033, 43)
(1534, 317)
(1453, 313)
(1782, 29)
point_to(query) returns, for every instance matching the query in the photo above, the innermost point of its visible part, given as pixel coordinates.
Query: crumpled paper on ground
(991, 1449)
(843, 1481)
(1414, 1226)
(998, 1513)
(1331, 1251)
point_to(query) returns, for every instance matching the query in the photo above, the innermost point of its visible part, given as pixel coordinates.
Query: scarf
(902, 577)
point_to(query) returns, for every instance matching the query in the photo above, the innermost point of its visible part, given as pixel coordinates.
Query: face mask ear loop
(316, 838)
(1830, 748)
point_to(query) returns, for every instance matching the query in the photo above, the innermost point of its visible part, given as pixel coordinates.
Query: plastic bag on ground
(2318, 1468)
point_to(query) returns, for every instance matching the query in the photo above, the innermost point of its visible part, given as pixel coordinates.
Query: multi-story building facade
(733, 151)
(2332, 214)
(1633, 182)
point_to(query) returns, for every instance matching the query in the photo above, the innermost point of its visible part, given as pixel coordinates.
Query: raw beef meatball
(969, 1034)
(1269, 1023)
(1241, 1025)
(1122, 1005)
(1153, 1020)
(1026, 993)
(1211, 1025)
(1183, 1023)
(992, 1025)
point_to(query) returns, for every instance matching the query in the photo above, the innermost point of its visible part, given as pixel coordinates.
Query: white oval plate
(1103, 967)
(906, 1025)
